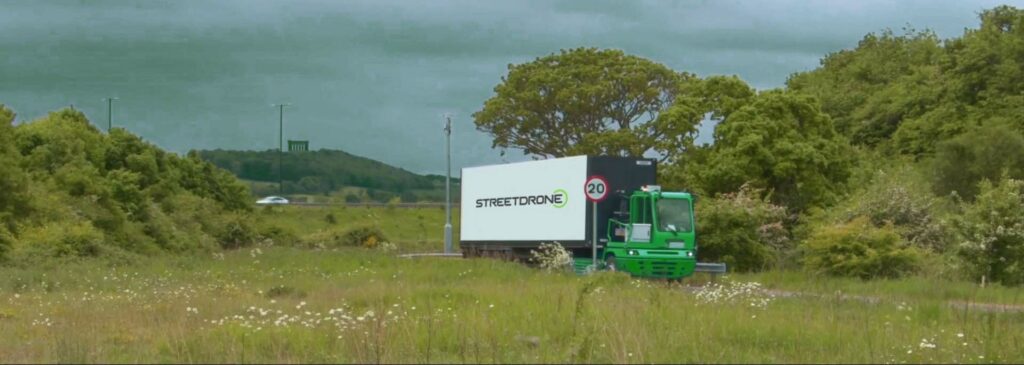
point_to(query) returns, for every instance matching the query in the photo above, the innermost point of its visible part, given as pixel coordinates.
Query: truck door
(640, 218)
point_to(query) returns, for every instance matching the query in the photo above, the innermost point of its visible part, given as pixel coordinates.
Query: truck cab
(654, 236)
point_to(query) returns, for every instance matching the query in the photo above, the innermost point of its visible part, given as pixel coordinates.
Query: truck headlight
(689, 253)
(633, 252)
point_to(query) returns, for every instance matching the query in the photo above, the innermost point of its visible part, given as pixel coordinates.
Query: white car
(272, 200)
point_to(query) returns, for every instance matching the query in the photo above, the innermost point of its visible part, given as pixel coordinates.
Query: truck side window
(641, 210)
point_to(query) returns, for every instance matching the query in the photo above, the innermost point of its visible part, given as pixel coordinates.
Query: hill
(328, 172)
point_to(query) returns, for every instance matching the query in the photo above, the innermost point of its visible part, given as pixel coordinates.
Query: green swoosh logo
(565, 198)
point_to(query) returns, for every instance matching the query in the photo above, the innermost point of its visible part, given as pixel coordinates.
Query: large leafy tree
(980, 81)
(782, 143)
(871, 89)
(590, 101)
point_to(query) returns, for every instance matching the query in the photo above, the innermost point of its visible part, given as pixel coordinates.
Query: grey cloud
(374, 77)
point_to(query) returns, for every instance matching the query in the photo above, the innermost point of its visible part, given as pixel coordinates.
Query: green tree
(585, 101)
(871, 89)
(13, 180)
(782, 143)
(980, 80)
(14, 199)
(985, 153)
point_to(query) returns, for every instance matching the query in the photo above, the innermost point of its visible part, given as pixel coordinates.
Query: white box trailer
(518, 206)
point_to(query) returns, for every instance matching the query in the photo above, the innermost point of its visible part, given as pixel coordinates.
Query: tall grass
(362, 306)
(414, 229)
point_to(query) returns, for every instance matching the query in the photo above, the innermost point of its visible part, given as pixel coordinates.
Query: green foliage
(782, 143)
(235, 231)
(330, 218)
(99, 195)
(364, 236)
(911, 91)
(859, 249)
(584, 101)
(742, 230)
(279, 235)
(13, 180)
(986, 153)
(6, 241)
(65, 239)
(991, 232)
(899, 196)
(872, 88)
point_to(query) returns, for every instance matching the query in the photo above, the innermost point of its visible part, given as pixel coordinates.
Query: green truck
(511, 209)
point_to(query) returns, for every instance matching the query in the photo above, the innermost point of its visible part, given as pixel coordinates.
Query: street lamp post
(280, 145)
(447, 187)
(110, 112)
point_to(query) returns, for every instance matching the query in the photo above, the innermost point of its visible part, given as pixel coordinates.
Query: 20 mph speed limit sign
(596, 188)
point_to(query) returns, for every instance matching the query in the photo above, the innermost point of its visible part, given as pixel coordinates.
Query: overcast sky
(375, 77)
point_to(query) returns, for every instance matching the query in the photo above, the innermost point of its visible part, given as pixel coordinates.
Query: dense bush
(740, 229)
(859, 249)
(235, 231)
(277, 235)
(963, 162)
(76, 239)
(6, 240)
(899, 197)
(991, 232)
(365, 237)
(95, 194)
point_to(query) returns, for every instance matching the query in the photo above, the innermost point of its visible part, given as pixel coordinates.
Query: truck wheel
(610, 262)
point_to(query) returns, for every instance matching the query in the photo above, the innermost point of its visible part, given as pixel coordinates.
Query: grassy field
(413, 229)
(356, 305)
(280, 304)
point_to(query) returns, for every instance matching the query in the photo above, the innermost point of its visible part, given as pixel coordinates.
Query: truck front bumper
(656, 266)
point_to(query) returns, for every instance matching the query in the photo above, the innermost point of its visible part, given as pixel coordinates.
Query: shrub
(901, 198)
(277, 235)
(552, 257)
(6, 242)
(284, 291)
(60, 239)
(991, 232)
(859, 249)
(366, 237)
(236, 231)
(110, 194)
(742, 230)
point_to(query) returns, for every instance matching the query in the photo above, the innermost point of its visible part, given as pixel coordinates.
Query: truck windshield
(674, 215)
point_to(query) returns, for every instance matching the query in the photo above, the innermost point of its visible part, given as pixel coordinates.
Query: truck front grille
(659, 268)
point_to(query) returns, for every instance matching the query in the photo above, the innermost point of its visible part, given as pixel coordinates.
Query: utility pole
(447, 186)
(110, 112)
(280, 146)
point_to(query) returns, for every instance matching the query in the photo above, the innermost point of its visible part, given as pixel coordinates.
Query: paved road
(373, 204)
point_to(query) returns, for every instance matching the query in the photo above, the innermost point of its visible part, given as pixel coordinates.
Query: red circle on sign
(596, 185)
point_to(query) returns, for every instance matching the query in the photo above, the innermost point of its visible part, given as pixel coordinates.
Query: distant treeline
(325, 171)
